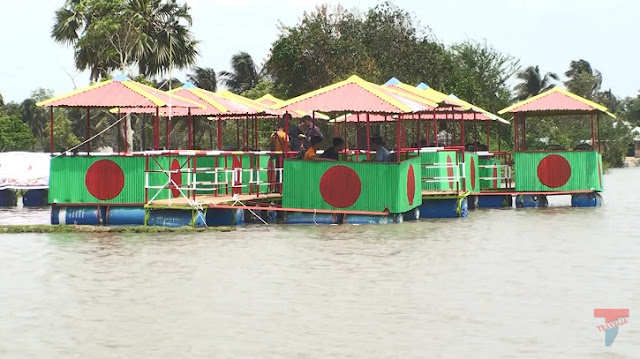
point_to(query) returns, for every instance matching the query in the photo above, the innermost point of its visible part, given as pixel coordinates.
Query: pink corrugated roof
(424, 117)
(554, 101)
(116, 93)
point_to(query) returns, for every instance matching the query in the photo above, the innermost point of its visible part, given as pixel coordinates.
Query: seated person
(382, 154)
(311, 155)
(333, 151)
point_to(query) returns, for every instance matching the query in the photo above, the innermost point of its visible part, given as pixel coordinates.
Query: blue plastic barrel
(593, 199)
(310, 218)
(8, 198)
(531, 201)
(444, 208)
(498, 201)
(76, 215)
(412, 215)
(220, 217)
(35, 198)
(366, 219)
(121, 216)
(174, 218)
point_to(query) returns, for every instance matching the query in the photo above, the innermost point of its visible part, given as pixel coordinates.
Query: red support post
(593, 134)
(515, 133)
(219, 133)
(498, 124)
(88, 132)
(368, 137)
(418, 132)
(51, 129)
(426, 133)
(398, 135)
(238, 133)
(167, 132)
(435, 128)
(524, 133)
(346, 139)
(488, 136)
(462, 140)
(156, 130)
(190, 125)
(599, 140)
(118, 130)
(126, 138)
(255, 133)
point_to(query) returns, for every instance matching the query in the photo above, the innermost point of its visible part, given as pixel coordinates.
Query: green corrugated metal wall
(471, 184)
(430, 158)
(383, 185)
(67, 179)
(488, 172)
(586, 171)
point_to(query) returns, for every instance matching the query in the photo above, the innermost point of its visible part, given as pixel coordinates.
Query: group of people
(306, 139)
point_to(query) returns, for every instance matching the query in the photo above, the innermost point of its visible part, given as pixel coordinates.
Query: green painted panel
(431, 174)
(67, 179)
(486, 172)
(585, 171)
(472, 172)
(383, 185)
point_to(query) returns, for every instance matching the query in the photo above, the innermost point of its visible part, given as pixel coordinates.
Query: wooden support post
(219, 133)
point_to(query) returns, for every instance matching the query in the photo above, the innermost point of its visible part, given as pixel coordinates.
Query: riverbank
(38, 228)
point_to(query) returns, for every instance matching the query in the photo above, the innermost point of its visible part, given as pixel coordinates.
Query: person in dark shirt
(334, 151)
(296, 134)
(312, 130)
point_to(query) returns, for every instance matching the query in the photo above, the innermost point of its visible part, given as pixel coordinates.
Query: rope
(236, 200)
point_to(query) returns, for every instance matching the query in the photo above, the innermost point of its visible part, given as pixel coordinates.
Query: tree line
(147, 38)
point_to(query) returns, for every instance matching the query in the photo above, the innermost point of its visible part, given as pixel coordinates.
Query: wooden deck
(444, 193)
(212, 201)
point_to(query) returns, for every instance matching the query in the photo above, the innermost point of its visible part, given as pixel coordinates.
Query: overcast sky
(548, 33)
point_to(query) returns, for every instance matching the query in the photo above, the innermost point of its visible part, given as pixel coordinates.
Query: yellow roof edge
(413, 97)
(270, 97)
(72, 93)
(420, 92)
(134, 86)
(313, 93)
(204, 96)
(554, 89)
(243, 100)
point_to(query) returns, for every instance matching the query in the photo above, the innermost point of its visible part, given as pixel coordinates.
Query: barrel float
(531, 201)
(92, 216)
(8, 198)
(176, 218)
(122, 216)
(495, 201)
(472, 202)
(310, 218)
(444, 208)
(220, 217)
(593, 199)
(365, 219)
(35, 198)
(412, 215)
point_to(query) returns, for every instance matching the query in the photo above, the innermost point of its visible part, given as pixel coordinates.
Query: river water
(499, 284)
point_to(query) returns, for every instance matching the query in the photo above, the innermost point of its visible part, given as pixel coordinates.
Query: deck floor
(211, 200)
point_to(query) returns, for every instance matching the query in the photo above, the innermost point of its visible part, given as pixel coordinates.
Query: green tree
(15, 135)
(533, 82)
(583, 80)
(204, 78)
(264, 86)
(244, 74)
(111, 35)
(63, 136)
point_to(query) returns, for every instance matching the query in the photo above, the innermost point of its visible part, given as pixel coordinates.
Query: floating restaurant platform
(429, 179)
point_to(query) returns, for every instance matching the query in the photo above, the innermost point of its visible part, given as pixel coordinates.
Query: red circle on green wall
(104, 180)
(340, 186)
(472, 173)
(450, 171)
(411, 185)
(554, 171)
(176, 178)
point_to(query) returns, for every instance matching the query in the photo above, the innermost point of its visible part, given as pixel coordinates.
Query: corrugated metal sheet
(440, 159)
(353, 95)
(383, 185)
(472, 172)
(486, 172)
(114, 93)
(67, 180)
(585, 171)
(555, 100)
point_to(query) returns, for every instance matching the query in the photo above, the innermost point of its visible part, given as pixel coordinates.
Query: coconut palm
(583, 79)
(244, 76)
(204, 78)
(533, 82)
(108, 35)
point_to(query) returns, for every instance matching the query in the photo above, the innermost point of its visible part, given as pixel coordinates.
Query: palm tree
(583, 80)
(244, 75)
(533, 82)
(152, 34)
(204, 78)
